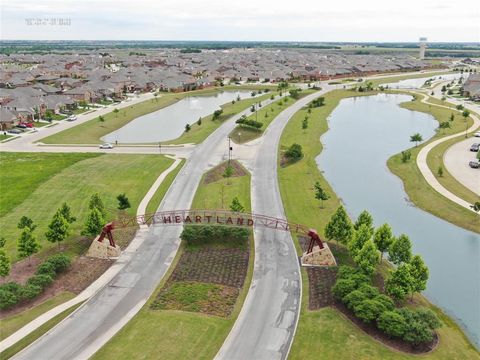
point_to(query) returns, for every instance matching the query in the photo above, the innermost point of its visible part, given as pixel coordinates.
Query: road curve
(87, 329)
(267, 322)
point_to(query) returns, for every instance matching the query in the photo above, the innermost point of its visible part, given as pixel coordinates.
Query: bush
(369, 310)
(200, 235)
(30, 291)
(419, 325)
(346, 271)
(60, 262)
(428, 317)
(392, 323)
(42, 280)
(354, 298)
(7, 299)
(12, 287)
(385, 301)
(294, 152)
(360, 279)
(343, 287)
(369, 290)
(46, 268)
(249, 123)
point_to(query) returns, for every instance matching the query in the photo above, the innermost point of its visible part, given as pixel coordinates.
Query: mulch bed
(378, 335)
(217, 172)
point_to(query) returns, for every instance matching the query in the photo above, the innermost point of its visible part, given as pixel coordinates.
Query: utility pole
(229, 151)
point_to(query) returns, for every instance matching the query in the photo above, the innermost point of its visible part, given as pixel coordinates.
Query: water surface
(364, 133)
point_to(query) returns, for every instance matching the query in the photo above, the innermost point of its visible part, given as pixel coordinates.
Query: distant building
(423, 47)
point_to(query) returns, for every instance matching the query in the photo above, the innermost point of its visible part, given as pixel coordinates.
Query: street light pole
(229, 151)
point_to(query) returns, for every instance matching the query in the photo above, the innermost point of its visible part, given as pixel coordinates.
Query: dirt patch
(378, 335)
(216, 266)
(217, 172)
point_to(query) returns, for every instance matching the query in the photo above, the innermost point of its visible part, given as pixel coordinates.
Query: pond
(169, 123)
(364, 133)
(417, 83)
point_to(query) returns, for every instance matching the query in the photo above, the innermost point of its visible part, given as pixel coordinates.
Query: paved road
(87, 329)
(267, 322)
(456, 160)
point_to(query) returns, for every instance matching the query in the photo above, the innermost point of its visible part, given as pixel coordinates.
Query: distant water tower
(423, 46)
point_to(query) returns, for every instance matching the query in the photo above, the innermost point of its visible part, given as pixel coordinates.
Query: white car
(477, 134)
(72, 118)
(106, 146)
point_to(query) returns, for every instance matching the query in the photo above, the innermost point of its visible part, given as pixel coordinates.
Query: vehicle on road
(106, 146)
(475, 147)
(72, 118)
(474, 164)
(477, 134)
(21, 126)
(15, 131)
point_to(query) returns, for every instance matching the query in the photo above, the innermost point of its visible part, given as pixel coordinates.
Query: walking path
(103, 279)
(422, 159)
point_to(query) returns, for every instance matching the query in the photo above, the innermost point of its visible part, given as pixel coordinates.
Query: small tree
(93, 223)
(97, 203)
(364, 219)
(452, 117)
(217, 114)
(440, 171)
(476, 206)
(416, 138)
(116, 111)
(465, 114)
(406, 155)
(392, 323)
(400, 250)
(367, 258)
(67, 214)
(339, 227)
(294, 152)
(26, 222)
(187, 127)
(4, 263)
(199, 121)
(359, 239)
(3, 241)
(400, 282)
(459, 107)
(57, 229)
(320, 194)
(228, 171)
(383, 238)
(123, 202)
(101, 118)
(419, 273)
(236, 205)
(27, 244)
(305, 123)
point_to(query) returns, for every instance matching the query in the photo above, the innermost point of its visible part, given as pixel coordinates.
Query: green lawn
(73, 183)
(3, 136)
(266, 114)
(34, 335)
(11, 324)
(90, 132)
(169, 334)
(394, 79)
(327, 334)
(418, 190)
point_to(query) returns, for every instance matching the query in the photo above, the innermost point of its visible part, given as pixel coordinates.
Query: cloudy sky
(263, 20)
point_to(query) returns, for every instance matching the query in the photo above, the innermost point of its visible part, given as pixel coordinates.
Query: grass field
(4, 137)
(91, 131)
(266, 114)
(169, 334)
(393, 79)
(13, 323)
(326, 333)
(34, 335)
(418, 190)
(73, 181)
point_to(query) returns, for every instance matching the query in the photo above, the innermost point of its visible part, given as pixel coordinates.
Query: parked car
(475, 147)
(72, 118)
(106, 146)
(15, 131)
(474, 164)
(21, 126)
(477, 134)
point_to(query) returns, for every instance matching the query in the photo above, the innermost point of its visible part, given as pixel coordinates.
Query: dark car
(474, 147)
(474, 164)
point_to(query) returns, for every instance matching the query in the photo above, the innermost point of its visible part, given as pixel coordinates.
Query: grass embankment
(91, 131)
(417, 188)
(171, 334)
(3, 137)
(34, 335)
(40, 183)
(266, 114)
(326, 333)
(394, 79)
(11, 324)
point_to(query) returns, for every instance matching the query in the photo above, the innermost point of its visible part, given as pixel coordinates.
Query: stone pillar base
(319, 257)
(103, 250)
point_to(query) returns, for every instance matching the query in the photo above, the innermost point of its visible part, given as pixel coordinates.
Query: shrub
(60, 262)
(12, 287)
(360, 279)
(354, 298)
(200, 235)
(294, 152)
(343, 287)
(346, 271)
(392, 323)
(369, 290)
(7, 299)
(30, 291)
(417, 332)
(42, 280)
(385, 301)
(369, 310)
(428, 317)
(46, 268)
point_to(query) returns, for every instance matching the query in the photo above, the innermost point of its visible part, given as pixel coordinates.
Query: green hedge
(201, 235)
